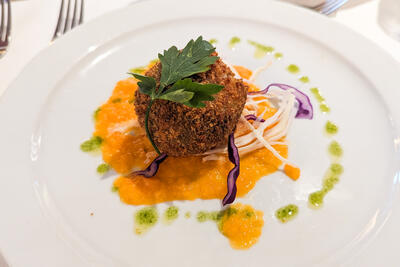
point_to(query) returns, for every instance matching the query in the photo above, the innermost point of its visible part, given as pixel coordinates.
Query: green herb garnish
(175, 66)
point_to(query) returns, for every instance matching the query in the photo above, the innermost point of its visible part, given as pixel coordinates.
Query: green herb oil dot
(335, 149)
(138, 70)
(331, 128)
(114, 189)
(213, 41)
(188, 215)
(103, 168)
(234, 40)
(324, 108)
(145, 219)
(286, 213)
(171, 214)
(96, 114)
(304, 79)
(317, 95)
(278, 55)
(336, 168)
(316, 199)
(92, 144)
(293, 68)
(261, 50)
(203, 216)
(329, 183)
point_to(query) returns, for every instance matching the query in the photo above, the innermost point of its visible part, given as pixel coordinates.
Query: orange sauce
(125, 147)
(245, 73)
(242, 226)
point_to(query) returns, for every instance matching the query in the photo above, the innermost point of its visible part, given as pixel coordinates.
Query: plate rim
(16, 89)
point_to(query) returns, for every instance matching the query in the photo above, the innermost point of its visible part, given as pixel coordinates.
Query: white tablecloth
(34, 22)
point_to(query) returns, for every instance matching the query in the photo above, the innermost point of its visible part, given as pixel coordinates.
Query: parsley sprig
(174, 85)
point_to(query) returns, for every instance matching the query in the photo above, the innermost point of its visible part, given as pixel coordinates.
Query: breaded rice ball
(179, 130)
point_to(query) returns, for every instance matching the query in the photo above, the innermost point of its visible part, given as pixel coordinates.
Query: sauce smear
(125, 148)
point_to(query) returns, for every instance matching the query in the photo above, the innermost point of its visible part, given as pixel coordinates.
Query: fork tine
(67, 19)
(58, 30)
(82, 10)
(335, 7)
(2, 19)
(8, 33)
(318, 7)
(74, 19)
(329, 5)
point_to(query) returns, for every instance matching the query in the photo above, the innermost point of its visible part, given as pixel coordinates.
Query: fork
(329, 6)
(5, 26)
(65, 22)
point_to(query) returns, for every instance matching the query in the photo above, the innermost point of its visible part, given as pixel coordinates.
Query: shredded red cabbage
(152, 169)
(305, 110)
(252, 117)
(234, 173)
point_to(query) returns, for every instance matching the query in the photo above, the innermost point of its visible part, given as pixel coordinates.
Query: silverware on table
(329, 6)
(65, 22)
(5, 26)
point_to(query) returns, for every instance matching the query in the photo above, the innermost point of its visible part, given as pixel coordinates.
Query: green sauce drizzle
(287, 213)
(171, 214)
(216, 216)
(103, 168)
(114, 189)
(304, 79)
(213, 41)
(335, 149)
(278, 55)
(324, 108)
(316, 199)
(188, 215)
(203, 216)
(317, 95)
(234, 40)
(329, 183)
(153, 61)
(96, 113)
(321, 100)
(332, 177)
(145, 219)
(293, 68)
(331, 128)
(261, 50)
(138, 70)
(336, 168)
(92, 144)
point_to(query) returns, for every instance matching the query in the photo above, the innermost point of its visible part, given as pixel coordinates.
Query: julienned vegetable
(234, 173)
(305, 109)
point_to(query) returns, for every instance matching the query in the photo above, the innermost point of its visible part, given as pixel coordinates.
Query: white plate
(49, 187)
